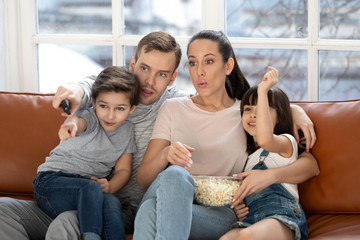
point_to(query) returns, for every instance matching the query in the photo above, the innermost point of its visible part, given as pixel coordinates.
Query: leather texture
(331, 200)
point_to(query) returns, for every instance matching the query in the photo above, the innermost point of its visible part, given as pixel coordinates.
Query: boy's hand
(68, 129)
(103, 182)
(73, 93)
(270, 79)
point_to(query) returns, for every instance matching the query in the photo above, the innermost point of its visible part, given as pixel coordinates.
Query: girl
(267, 120)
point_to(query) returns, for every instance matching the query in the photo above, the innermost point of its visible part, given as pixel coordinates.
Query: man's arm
(78, 94)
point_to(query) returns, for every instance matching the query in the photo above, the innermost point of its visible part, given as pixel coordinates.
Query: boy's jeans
(57, 192)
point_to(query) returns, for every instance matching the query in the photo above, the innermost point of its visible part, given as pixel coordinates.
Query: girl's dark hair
(236, 83)
(277, 100)
(117, 79)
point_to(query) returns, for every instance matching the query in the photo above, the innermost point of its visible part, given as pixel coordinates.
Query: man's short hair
(161, 41)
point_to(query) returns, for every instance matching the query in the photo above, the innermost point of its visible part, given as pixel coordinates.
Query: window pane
(292, 66)
(183, 80)
(339, 75)
(59, 64)
(340, 19)
(74, 16)
(178, 17)
(266, 18)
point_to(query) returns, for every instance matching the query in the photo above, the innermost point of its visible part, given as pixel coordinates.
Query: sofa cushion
(333, 226)
(337, 150)
(26, 118)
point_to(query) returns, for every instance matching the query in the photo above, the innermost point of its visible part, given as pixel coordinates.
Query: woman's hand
(103, 182)
(254, 182)
(303, 122)
(180, 154)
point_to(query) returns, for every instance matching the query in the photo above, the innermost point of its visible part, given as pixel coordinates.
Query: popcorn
(215, 191)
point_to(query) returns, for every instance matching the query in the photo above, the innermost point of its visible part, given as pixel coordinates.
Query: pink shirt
(218, 137)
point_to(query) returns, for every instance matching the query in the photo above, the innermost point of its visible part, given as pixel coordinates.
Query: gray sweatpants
(24, 220)
(21, 219)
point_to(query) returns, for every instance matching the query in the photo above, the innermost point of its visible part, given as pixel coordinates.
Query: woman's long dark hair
(236, 83)
(277, 100)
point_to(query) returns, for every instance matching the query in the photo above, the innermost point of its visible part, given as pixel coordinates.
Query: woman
(201, 135)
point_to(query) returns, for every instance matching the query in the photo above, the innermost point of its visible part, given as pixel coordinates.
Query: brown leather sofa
(331, 200)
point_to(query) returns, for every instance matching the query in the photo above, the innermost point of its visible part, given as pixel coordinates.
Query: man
(155, 63)
(157, 58)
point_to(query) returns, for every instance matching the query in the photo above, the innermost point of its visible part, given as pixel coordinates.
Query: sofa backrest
(28, 126)
(337, 150)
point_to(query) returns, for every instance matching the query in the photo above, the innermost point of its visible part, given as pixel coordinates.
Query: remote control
(65, 104)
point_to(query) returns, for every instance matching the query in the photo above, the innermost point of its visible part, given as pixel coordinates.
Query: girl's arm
(157, 157)
(265, 136)
(297, 172)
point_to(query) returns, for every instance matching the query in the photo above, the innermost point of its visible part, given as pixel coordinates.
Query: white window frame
(21, 41)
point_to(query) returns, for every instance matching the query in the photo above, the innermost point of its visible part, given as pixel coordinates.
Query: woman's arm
(153, 162)
(303, 122)
(157, 157)
(297, 172)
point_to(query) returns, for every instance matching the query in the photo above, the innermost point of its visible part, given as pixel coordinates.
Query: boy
(98, 140)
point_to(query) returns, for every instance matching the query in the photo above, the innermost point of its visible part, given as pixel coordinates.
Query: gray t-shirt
(94, 152)
(143, 119)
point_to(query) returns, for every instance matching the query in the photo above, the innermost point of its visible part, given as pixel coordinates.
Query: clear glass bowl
(215, 191)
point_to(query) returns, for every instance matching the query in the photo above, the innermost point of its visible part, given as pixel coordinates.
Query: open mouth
(146, 92)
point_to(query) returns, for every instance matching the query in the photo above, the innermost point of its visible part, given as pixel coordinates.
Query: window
(314, 44)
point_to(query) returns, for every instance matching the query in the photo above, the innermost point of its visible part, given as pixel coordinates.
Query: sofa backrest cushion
(29, 127)
(337, 150)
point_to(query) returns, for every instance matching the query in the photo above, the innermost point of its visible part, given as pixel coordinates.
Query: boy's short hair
(161, 41)
(117, 79)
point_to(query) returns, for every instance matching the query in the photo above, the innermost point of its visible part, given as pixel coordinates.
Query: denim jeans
(99, 214)
(276, 202)
(167, 211)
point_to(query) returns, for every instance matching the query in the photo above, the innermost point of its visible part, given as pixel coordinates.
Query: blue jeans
(167, 211)
(99, 214)
(276, 202)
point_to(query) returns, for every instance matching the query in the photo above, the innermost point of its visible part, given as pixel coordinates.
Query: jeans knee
(175, 173)
(111, 202)
(92, 190)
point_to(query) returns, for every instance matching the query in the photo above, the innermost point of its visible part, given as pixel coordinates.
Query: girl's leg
(269, 229)
(211, 223)
(173, 192)
(113, 224)
(59, 192)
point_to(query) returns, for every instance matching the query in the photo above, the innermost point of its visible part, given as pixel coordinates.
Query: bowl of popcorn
(215, 191)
